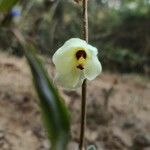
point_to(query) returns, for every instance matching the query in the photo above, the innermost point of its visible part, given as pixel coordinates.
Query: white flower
(75, 61)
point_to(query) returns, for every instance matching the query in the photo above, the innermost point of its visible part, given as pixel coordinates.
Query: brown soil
(121, 124)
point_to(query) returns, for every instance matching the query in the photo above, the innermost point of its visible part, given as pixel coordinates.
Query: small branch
(83, 103)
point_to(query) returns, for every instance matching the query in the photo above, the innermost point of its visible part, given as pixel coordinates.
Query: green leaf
(91, 147)
(6, 5)
(54, 112)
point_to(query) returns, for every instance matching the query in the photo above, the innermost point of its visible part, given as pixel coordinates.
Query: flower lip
(80, 53)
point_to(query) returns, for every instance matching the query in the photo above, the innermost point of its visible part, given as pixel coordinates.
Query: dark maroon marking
(80, 53)
(80, 67)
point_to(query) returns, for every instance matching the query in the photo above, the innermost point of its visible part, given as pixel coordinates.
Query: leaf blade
(54, 112)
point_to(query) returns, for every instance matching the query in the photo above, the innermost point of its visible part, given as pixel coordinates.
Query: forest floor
(123, 124)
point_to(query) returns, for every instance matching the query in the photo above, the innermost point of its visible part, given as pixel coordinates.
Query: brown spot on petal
(80, 67)
(80, 53)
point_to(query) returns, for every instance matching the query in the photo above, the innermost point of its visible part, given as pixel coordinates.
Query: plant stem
(83, 116)
(83, 103)
(85, 20)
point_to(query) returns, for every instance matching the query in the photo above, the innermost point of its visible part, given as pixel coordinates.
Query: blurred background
(118, 100)
(119, 28)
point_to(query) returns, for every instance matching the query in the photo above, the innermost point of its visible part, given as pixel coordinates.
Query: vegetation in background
(115, 34)
(120, 29)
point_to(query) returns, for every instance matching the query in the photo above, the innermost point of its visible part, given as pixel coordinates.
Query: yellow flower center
(81, 58)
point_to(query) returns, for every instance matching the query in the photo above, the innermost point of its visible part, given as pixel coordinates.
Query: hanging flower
(75, 61)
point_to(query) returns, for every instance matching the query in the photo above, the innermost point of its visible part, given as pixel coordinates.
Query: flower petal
(70, 80)
(64, 64)
(75, 42)
(92, 68)
(67, 48)
(64, 57)
(92, 49)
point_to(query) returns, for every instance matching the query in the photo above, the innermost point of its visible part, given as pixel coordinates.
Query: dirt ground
(121, 124)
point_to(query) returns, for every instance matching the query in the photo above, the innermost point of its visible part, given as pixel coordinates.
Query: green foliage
(125, 59)
(54, 112)
(6, 5)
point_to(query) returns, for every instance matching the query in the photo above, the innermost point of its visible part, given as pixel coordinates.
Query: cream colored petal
(80, 81)
(68, 48)
(65, 64)
(75, 42)
(92, 68)
(64, 57)
(69, 80)
(92, 49)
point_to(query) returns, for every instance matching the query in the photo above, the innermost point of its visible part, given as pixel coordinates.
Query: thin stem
(83, 116)
(83, 103)
(85, 20)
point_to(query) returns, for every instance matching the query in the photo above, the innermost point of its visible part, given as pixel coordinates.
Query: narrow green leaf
(54, 112)
(6, 5)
